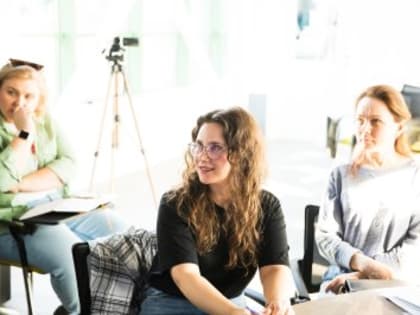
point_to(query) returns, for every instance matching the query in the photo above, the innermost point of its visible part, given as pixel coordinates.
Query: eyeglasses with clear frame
(213, 150)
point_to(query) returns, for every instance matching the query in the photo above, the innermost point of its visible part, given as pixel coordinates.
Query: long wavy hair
(241, 223)
(397, 106)
(26, 72)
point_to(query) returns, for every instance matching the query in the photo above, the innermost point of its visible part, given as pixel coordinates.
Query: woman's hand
(278, 308)
(240, 311)
(336, 285)
(23, 119)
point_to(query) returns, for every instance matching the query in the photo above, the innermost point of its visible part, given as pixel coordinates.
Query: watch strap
(23, 135)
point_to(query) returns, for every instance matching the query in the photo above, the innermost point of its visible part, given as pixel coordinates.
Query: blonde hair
(246, 154)
(26, 72)
(397, 106)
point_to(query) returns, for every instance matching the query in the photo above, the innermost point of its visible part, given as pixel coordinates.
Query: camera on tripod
(117, 76)
(116, 52)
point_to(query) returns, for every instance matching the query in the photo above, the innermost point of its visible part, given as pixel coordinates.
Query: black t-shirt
(176, 245)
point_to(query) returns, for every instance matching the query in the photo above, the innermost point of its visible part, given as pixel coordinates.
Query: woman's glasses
(213, 150)
(18, 62)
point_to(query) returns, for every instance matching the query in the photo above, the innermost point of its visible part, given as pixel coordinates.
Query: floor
(298, 171)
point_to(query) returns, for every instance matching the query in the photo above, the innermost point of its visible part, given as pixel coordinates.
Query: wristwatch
(23, 135)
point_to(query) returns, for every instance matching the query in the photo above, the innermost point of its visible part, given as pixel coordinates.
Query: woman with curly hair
(219, 226)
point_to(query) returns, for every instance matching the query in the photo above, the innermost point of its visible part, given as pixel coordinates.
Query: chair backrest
(311, 258)
(80, 253)
(411, 96)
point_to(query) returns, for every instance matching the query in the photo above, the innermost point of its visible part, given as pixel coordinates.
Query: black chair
(411, 96)
(313, 265)
(17, 230)
(334, 130)
(80, 253)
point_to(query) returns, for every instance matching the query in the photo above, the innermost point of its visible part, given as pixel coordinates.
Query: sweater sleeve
(274, 248)
(176, 243)
(406, 255)
(9, 174)
(329, 231)
(64, 164)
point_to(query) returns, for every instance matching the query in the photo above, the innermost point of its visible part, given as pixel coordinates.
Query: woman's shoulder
(342, 169)
(414, 163)
(338, 172)
(269, 200)
(48, 123)
(414, 168)
(168, 198)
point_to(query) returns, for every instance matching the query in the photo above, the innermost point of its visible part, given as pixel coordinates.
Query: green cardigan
(52, 151)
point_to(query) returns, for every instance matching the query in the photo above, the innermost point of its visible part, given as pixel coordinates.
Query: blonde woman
(35, 158)
(219, 226)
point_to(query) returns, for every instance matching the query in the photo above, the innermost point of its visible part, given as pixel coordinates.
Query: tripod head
(116, 52)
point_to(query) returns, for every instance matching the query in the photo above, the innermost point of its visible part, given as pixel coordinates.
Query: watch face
(23, 134)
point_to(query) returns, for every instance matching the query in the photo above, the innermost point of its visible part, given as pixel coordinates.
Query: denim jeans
(49, 249)
(157, 302)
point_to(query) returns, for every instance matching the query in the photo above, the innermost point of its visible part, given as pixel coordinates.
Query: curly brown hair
(241, 224)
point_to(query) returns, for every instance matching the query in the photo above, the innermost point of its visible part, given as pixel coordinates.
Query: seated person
(219, 226)
(34, 157)
(369, 222)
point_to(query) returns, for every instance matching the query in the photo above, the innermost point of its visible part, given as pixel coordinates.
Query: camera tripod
(117, 73)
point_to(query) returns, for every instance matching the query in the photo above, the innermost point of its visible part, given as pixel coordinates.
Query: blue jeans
(157, 302)
(49, 249)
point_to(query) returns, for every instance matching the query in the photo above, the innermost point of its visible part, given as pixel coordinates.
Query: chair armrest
(255, 295)
(12, 223)
(301, 290)
(18, 226)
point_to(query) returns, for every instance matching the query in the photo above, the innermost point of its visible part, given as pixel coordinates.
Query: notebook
(367, 284)
(56, 211)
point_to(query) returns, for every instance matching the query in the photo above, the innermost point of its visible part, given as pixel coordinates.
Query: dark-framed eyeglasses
(19, 62)
(213, 150)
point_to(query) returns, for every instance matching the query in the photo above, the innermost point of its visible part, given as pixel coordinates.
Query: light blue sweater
(376, 212)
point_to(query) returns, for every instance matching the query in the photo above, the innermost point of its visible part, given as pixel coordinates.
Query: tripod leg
(143, 152)
(101, 128)
(115, 127)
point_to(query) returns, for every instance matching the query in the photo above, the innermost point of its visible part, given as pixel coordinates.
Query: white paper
(23, 198)
(407, 298)
(73, 204)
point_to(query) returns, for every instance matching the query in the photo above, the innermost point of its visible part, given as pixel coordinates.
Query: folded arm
(42, 179)
(55, 160)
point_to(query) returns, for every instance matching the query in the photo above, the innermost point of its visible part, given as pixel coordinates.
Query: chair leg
(27, 275)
